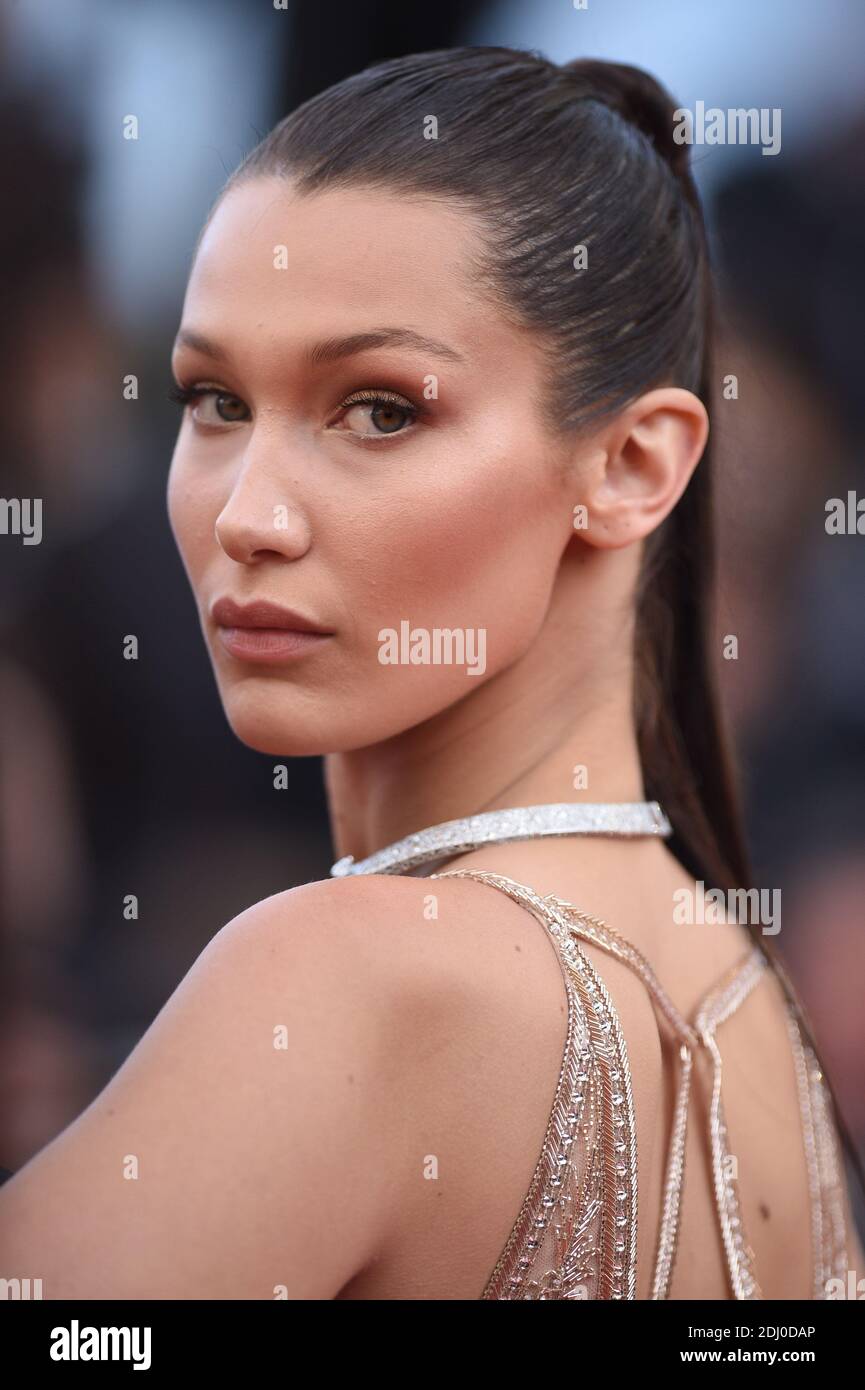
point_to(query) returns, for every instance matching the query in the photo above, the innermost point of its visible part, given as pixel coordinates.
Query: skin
(420, 524)
(411, 1041)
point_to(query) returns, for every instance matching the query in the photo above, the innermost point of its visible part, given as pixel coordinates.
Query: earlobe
(648, 456)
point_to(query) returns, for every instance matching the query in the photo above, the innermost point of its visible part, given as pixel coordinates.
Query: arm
(244, 1144)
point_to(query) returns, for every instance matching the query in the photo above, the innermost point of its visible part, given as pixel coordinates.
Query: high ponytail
(684, 740)
(547, 157)
(685, 747)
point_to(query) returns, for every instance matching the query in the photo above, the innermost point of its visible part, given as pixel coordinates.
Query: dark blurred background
(122, 777)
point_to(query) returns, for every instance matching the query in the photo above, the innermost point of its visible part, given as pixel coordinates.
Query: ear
(640, 465)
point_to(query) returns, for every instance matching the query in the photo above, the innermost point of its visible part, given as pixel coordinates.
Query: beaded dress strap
(720, 1001)
(717, 1005)
(608, 1185)
(824, 1162)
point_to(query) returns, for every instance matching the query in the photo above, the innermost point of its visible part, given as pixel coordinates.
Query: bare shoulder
(371, 944)
(248, 1143)
(256, 1136)
(382, 929)
(353, 952)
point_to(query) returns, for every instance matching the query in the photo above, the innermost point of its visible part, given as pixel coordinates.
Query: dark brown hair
(549, 158)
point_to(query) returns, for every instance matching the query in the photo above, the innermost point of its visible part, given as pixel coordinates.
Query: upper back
(523, 1090)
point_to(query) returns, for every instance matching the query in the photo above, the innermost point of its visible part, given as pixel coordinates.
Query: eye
(227, 407)
(374, 413)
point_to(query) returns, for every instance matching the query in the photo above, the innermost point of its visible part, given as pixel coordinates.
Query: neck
(519, 740)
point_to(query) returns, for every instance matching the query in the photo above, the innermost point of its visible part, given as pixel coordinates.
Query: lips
(261, 614)
(265, 632)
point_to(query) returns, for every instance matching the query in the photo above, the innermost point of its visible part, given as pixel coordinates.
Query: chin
(288, 724)
(272, 739)
(289, 720)
(267, 722)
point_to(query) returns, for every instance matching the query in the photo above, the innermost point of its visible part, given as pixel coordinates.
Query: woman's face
(364, 448)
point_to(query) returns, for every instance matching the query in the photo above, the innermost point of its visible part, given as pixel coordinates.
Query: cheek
(190, 513)
(476, 550)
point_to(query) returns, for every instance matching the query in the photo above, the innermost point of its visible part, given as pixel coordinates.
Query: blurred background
(122, 777)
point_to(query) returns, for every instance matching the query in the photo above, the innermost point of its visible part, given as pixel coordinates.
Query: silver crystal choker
(502, 827)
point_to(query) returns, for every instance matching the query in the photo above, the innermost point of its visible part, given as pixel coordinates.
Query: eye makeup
(386, 407)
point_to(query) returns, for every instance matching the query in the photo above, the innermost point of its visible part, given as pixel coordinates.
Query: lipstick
(265, 632)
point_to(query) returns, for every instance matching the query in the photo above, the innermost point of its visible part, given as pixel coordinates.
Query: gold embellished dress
(575, 1236)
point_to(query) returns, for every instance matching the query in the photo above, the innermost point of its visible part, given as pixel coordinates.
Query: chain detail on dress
(825, 1181)
(575, 1236)
(720, 1003)
(581, 1209)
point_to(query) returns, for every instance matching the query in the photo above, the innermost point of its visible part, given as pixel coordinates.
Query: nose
(261, 517)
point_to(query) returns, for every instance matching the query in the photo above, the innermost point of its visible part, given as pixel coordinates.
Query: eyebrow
(332, 349)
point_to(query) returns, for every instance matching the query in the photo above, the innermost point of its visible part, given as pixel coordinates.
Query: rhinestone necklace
(502, 827)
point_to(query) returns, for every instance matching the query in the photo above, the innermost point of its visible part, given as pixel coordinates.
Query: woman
(444, 358)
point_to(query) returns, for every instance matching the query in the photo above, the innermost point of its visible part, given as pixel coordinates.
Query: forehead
(334, 261)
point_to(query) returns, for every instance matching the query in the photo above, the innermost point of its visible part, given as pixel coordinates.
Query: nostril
(269, 530)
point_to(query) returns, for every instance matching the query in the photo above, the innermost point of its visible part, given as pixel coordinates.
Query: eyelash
(186, 395)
